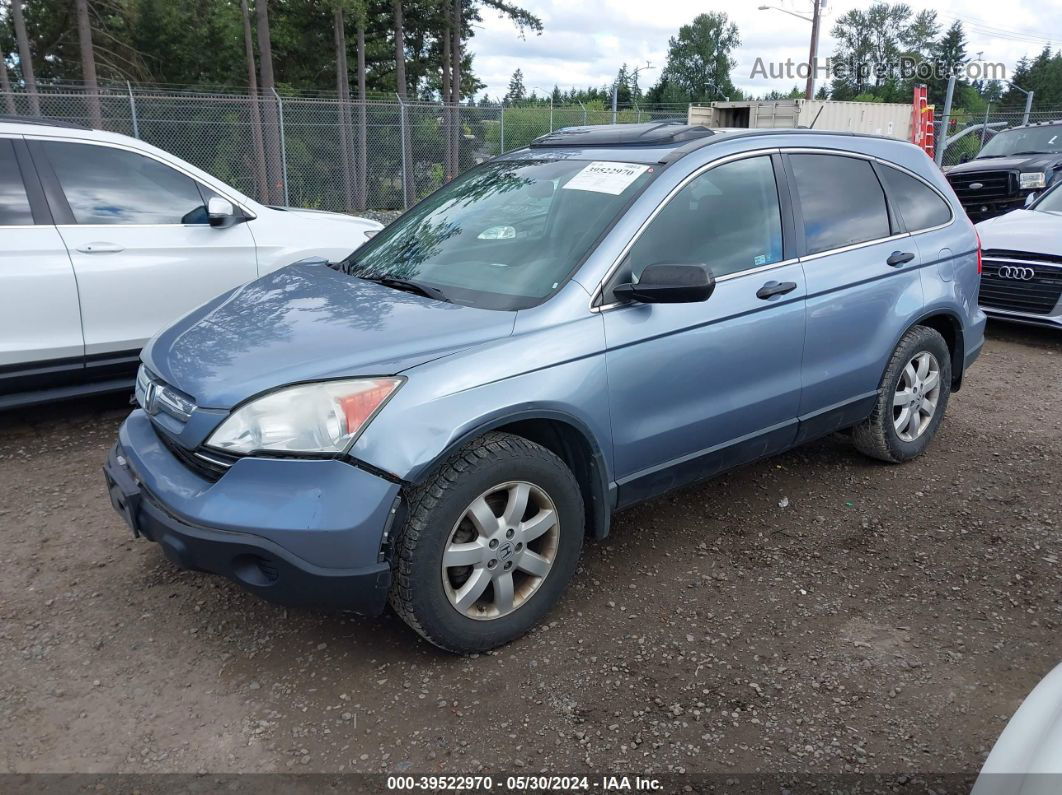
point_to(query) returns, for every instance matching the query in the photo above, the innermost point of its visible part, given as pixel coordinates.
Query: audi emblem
(1016, 272)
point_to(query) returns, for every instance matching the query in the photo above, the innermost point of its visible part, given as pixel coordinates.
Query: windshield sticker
(603, 176)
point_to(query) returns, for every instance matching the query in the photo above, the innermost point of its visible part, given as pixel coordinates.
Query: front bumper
(308, 536)
(1027, 318)
(982, 211)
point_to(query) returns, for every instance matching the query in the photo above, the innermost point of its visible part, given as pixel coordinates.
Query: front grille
(1004, 284)
(995, 185)
(207, 469)
(1026, 257)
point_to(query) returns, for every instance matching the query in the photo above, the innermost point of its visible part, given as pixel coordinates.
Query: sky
(584, 42)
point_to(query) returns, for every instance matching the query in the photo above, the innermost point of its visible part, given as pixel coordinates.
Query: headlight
(1032, 179)
(308, 418)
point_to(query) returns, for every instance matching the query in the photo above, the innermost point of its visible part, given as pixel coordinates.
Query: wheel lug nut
(508, 565)
(519, 546)
(510, 533)
(491, 563)
(494, 543)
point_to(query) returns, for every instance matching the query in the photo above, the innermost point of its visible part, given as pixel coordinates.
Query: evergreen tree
(949, 56)
(516, 92)
(699, 61)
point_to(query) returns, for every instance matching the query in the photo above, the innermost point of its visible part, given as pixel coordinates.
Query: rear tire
(489, 544)
(912, 398)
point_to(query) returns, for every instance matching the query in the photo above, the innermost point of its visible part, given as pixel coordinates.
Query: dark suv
(1013, 165)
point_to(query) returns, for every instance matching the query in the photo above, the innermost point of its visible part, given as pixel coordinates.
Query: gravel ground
(814, 612)
(383, 216)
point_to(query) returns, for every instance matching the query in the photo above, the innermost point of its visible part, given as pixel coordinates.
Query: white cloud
(584, 43)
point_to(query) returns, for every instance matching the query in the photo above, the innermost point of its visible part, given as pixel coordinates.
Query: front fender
(554, 373)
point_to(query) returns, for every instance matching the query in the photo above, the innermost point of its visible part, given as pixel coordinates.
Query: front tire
(911, 401)
(489, 544)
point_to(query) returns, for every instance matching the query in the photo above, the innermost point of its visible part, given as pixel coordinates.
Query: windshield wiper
(407, 286)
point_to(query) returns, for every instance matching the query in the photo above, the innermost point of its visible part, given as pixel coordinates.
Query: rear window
(920, 205)
(841, 200)
(14, 205)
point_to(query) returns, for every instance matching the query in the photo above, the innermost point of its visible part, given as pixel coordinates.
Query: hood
(307, 322)
(1043, 162)
(1023, 230)
(325, 215)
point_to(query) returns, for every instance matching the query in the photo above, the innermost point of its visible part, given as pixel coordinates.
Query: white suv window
(14, 206)
(105, 185)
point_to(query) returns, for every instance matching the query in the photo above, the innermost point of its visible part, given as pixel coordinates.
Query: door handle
(772, 289)
(898, 258)
(100, 248)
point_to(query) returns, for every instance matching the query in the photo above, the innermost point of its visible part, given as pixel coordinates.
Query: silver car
(1022, 277)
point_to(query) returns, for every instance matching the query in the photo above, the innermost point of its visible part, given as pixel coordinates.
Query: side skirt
(707, 464)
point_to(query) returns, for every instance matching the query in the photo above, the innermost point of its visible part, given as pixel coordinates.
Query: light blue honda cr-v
(440, 419)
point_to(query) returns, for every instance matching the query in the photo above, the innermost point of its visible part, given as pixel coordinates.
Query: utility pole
(816, 15)
(615, 87)
(814, 19)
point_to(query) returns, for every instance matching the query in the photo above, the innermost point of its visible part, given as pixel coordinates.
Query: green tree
(949, 56)
(1041, 75)
(699, 61)
(517, 92)
(870, 44)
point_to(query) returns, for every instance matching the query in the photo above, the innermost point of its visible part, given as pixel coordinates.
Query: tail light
(980, 266)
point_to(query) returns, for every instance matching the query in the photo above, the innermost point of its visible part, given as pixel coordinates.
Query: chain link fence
(968, 132)
(318, 151)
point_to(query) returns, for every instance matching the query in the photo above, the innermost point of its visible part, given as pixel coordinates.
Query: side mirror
(664, 283)
(1031, 198)
(221, 212)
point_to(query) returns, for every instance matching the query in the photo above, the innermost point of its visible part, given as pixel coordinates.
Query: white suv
(104, 240)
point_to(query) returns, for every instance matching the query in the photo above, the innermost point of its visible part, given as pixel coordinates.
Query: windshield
(1025, 140)
(1050, 202)
(504, 235)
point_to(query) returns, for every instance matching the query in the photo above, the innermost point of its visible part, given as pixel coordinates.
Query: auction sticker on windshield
(604, 176)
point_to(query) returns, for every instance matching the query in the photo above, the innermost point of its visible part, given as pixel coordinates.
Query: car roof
(659, 142)
(34, 125)
(40, 121)
(37, 127)
(1049, 123)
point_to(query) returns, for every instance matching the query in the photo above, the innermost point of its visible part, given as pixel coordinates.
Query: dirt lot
(884, 619)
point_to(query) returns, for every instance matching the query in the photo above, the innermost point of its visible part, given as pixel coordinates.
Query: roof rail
(730, 134)
(42, 122)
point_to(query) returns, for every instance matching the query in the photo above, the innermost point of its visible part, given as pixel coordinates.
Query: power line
(986, 29)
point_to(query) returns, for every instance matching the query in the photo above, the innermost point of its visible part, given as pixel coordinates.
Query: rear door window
(921, 206)
(841, 200)
(14, 204)
(105, 185)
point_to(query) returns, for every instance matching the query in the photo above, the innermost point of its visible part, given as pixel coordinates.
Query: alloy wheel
(914, 402)
(500, 550)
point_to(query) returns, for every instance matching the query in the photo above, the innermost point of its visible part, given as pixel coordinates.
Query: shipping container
(877, 118)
